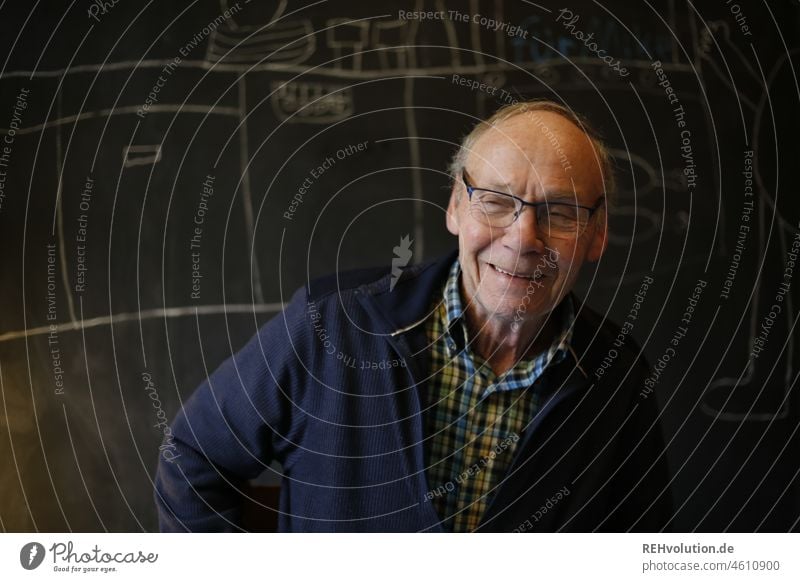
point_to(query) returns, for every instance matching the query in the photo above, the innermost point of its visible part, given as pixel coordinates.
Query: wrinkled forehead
(539, 145)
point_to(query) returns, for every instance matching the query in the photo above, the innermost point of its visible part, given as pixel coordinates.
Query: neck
(497, 341)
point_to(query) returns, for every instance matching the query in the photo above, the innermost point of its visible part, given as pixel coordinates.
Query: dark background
(259, 105)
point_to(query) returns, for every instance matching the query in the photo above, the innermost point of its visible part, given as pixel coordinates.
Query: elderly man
(466, 396)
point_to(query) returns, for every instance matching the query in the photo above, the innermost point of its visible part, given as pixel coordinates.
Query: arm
(225, 434)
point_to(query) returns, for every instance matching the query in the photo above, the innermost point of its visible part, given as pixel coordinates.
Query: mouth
(512, 275)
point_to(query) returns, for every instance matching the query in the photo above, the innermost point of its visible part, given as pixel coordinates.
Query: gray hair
(530, 106)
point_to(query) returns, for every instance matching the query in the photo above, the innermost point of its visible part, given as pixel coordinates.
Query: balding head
(553, 167)
(536, 109)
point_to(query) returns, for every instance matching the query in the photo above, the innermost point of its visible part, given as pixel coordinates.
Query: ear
(452, 211)
(599, 241)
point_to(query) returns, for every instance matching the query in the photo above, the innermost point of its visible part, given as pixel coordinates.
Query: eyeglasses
(555, 219)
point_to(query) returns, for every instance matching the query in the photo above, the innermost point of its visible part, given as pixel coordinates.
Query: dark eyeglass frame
(520, 203)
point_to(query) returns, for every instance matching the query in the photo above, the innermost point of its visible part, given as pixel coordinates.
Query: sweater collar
(408, 304)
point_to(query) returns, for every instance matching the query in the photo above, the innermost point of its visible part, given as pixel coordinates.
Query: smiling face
(537, 156)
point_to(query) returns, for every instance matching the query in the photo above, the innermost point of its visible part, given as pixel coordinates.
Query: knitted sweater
(332, 388)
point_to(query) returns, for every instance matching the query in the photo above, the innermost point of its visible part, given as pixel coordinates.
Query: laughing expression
(536, 156)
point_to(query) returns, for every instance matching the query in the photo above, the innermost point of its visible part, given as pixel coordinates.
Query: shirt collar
(456, 330)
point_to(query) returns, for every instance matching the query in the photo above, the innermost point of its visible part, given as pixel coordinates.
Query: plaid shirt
(474, 418)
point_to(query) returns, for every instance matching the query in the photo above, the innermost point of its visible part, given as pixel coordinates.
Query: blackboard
(171, 174)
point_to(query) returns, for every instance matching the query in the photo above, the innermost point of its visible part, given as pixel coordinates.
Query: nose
(524, 235)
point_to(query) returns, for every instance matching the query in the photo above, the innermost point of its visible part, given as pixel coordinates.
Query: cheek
(476, 237)
(568, 266)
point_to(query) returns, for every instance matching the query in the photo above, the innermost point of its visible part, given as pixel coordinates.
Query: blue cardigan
(309, 391)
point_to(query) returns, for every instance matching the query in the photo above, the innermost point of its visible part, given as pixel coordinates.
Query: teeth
(515, 275)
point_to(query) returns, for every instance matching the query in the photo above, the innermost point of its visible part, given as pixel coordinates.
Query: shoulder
(320, 290)
(605, 341)
(374, 280)
(347, 281)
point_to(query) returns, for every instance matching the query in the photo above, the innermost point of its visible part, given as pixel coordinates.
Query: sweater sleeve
(226, 432)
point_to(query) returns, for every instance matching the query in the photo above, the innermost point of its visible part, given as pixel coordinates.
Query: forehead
(538, 150)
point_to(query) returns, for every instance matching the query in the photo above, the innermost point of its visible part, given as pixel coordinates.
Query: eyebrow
(568, 196)
(555, 196)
